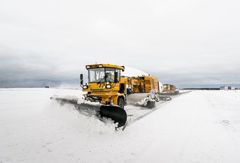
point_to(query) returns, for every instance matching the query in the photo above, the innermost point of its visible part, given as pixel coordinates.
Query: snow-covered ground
(201, 126)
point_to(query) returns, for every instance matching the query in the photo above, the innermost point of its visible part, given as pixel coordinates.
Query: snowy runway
(201, 126)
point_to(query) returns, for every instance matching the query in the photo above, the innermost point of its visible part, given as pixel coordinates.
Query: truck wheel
(121, 102)
(150, 104)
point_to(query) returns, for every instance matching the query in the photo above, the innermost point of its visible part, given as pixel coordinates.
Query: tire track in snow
(152, 110)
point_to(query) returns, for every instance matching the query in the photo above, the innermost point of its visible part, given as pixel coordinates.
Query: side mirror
(116, 77)
(81, 79)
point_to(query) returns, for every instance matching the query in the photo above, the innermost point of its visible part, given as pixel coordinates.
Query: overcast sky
(180, 41)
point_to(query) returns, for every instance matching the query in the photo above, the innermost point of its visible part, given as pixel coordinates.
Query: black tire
(121, 102)
(151, 104)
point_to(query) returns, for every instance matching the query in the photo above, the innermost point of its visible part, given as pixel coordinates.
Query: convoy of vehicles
(107, 86)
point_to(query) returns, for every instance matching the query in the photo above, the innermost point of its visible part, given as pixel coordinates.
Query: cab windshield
(100, 75)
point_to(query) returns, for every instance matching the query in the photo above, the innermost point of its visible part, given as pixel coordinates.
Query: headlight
(85, 87)
(108, 86)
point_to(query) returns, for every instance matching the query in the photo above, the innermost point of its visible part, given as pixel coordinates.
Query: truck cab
(105, 84)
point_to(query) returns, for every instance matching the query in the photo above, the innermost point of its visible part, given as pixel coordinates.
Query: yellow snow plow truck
(107, 86)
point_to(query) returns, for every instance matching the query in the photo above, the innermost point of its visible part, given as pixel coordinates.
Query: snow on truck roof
(132, 72)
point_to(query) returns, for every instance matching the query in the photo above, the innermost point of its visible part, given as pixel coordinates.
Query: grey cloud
(178, 41)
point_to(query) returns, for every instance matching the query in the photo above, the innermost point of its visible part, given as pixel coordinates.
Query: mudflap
(117, 114)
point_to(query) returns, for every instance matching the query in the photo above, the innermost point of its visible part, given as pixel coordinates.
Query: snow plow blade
(115, 113)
